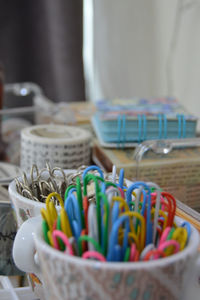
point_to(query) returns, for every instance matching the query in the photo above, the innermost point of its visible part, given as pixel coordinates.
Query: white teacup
(25, 209)
(72, 278)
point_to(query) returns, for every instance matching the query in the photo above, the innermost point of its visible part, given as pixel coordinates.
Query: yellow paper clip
(50, 213)
(180, 235)
(65, 225)
(142, 224)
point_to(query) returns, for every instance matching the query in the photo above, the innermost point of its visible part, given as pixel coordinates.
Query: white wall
(144, 48)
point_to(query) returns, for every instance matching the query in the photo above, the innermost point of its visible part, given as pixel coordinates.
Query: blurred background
(41, 42)
(145, 49)
(86, 50)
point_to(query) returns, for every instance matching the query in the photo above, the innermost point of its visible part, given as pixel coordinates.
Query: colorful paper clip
(118, 223)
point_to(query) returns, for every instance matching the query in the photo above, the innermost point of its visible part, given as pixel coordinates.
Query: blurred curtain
(41, 42)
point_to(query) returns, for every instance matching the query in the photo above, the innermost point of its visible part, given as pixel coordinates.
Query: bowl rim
(190, 250)
(13, 193)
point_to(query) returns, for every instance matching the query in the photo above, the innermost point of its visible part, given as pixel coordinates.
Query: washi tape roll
(67, 147)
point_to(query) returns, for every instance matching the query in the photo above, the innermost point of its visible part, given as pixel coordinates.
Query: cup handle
(24, 251)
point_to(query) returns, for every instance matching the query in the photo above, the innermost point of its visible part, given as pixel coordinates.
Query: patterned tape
(66, 147)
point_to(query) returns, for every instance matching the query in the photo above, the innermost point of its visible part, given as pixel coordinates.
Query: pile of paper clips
(45, 181)
(119, 224)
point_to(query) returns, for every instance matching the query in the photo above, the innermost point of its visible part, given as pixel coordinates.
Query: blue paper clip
(188, 228)
(71, 191)
(113, 240)
(121, 178)
(117, 254)
(73, 212)
(149, 235)
(129, 196)
(93, 167)
(115, 212)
